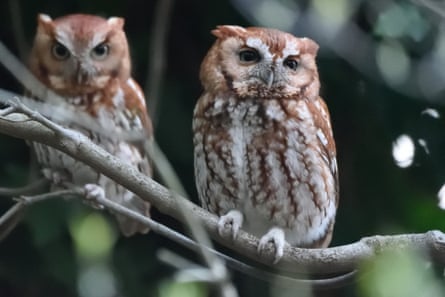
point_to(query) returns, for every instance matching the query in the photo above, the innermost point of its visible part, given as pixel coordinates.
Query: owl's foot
(277, 238)
(92, 193)
(233, 220)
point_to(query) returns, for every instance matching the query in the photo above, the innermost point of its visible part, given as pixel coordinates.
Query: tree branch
(212, 276)
(295, 260)
(22, 203)
(25, 190)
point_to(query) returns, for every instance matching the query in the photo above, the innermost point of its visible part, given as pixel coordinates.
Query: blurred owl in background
(85, 59)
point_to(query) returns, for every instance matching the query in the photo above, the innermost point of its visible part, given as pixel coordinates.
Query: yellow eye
(60, 52)
(101, 51)
(249, 55)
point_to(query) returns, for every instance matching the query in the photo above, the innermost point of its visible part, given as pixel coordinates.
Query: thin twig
(36, 116)
(174, 259)
(187, 271)
(29, 200)
(25, 190)
(13, 211)
(25, 201)
(10, 219)
(166, 171)
(157, 52)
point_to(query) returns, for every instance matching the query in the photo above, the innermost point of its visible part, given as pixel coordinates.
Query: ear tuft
(44, 23)
(309, 46)
(225, 31)
(44, 18)
(116, 22)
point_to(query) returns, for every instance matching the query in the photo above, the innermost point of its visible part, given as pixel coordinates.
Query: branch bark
(295, 260)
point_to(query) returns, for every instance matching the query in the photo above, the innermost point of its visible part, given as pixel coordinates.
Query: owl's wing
(138, 122)
(135, 103)
(325, 137)
(215, 167)
(134, 118)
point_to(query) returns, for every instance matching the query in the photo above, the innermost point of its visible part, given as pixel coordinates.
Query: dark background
(61, 243)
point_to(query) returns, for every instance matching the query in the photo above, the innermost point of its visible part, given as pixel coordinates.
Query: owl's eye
(100, 52)
(60, 52)
(249, 55)
(291, 63)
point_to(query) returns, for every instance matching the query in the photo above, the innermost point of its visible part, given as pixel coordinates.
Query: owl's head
(78, 54)
(260, 63)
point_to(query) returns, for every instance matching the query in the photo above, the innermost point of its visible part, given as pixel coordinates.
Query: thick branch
(296, 260)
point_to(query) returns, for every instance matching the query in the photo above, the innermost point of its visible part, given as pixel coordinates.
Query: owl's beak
(81, 78)
(83, 75)
(267, 76)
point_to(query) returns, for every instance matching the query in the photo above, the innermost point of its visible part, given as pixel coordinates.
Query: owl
(264, 152)
(85, 60)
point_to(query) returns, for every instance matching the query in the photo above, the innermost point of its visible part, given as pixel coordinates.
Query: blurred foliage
(396, 273)
(381, 66)
(174, 289)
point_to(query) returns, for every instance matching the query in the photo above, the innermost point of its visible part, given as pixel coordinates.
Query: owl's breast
(266, 159)
(284, 174)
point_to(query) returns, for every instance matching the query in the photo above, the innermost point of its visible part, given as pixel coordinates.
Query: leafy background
(381, 67)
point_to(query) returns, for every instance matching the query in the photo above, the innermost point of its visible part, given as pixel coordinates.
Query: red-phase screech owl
(85, 59)
(265, 157)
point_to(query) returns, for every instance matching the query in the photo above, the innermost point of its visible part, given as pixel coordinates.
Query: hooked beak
(267, 76)
(83, 75)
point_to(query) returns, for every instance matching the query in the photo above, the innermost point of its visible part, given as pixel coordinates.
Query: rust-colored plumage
(265, 157)
(85, 59)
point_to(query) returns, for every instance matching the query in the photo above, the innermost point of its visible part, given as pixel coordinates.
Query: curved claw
(234, 220)
(92, 192)
(277, 238)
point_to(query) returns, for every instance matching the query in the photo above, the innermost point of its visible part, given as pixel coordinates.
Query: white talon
(234, 220)
(94, 192)
(277, 238)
